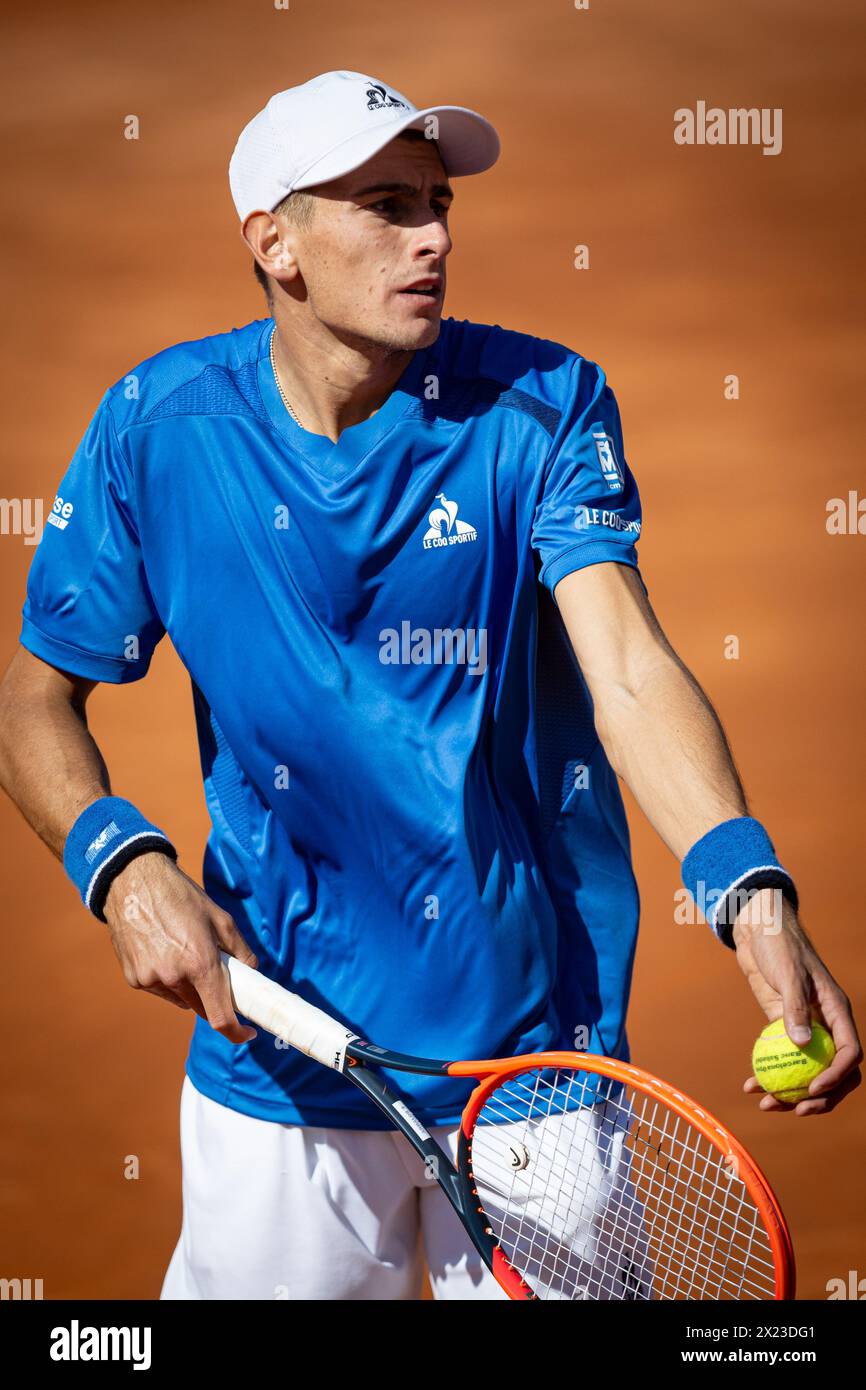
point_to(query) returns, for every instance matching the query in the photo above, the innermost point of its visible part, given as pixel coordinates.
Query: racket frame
(494, 1071)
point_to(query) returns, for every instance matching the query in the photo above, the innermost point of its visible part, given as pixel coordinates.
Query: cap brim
(467, 143)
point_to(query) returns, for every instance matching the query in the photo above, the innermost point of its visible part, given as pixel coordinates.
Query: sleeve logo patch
(60, 513)
(607, 459)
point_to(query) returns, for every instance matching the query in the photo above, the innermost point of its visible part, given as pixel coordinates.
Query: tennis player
(396, 553)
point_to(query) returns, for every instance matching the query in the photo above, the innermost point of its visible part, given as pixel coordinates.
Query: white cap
(332, 124)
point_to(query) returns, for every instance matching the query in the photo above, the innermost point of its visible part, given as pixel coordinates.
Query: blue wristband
(727, 866)
(107, 836)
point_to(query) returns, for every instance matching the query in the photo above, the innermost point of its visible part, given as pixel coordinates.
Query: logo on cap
(378, 97)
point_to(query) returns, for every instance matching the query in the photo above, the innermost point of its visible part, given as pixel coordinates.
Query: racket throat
(437, 1162)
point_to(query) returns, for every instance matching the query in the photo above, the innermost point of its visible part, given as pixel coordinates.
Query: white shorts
(277, 1211)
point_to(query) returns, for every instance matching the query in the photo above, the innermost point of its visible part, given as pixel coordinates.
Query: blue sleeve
(88, 608)
(589, 508)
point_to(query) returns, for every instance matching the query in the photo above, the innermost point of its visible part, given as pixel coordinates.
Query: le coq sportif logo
(444, 527)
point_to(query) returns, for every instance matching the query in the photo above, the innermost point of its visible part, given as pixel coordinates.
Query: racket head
(594, 1179)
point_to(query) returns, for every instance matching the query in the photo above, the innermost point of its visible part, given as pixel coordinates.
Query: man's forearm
(50, 765)
(666, 742)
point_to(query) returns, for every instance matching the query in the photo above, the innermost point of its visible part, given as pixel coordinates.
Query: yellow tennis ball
(783, 1068)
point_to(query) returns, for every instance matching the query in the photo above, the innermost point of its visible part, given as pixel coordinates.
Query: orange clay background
(704, 262)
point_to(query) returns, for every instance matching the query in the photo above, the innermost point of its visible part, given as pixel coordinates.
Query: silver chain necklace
(283, 397)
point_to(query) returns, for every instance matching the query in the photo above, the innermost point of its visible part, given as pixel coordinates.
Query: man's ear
(270, 246)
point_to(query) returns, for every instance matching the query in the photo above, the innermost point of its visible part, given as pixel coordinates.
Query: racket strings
(595, 1190)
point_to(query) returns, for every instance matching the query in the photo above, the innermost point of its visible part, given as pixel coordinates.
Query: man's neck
(330, 384)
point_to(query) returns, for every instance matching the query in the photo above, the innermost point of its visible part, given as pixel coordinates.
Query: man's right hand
(167, 934)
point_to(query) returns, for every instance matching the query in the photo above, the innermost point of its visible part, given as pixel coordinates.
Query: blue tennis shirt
(413, 822)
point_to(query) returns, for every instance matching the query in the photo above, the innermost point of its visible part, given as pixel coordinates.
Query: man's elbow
(641, 691)
(615, 713)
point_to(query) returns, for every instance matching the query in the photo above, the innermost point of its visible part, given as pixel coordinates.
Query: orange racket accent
(513, 1283)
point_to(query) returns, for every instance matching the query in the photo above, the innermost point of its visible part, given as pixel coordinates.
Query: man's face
(374, 233)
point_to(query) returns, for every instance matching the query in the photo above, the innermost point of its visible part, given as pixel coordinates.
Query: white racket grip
(287, 1015)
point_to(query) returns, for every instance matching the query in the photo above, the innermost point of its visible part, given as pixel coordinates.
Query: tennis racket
(576, 1176)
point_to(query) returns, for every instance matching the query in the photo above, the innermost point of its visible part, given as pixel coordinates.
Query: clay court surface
(705, 262)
